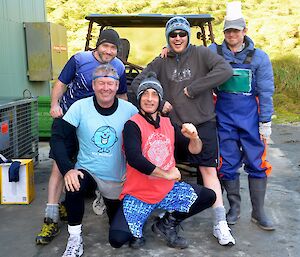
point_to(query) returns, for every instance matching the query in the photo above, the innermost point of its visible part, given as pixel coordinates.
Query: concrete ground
(20, 223)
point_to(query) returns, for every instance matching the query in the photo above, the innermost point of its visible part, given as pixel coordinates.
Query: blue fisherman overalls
(237, 115)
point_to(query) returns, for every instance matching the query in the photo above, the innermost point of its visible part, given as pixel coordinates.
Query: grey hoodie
(198, 69)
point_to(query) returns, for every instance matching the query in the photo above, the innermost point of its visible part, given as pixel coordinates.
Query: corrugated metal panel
(13, 63)
(2, 10)
(3, 46)
(13, 10)
(32, 11)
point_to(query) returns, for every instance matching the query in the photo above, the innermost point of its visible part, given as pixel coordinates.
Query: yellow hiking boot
(48, 232)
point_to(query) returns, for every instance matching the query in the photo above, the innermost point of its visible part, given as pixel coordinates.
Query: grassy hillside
(273, 25)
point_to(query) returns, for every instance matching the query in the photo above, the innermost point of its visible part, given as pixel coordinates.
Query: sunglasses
(174, 34)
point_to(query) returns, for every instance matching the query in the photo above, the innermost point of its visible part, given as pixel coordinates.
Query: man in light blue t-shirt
(75, 83)
(98, 121)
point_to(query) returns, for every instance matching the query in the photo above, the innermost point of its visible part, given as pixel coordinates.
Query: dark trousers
(75, 201)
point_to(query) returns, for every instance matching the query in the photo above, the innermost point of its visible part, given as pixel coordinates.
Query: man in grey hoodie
(188, 75)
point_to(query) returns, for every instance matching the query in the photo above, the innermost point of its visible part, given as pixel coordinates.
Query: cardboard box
(21, 192)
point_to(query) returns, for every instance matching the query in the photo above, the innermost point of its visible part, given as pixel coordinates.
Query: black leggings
(75, 200)
(119, 232)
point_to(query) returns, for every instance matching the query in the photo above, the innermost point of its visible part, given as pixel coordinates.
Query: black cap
(109, 36)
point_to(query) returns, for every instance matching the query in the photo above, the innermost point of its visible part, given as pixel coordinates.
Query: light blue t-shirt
(100, 138)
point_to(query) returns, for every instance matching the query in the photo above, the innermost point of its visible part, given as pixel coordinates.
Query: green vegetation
(287, 82)
(272, 24)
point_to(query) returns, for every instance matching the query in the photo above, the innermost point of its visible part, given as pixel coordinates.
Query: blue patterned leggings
(136, 212)
(184, 200)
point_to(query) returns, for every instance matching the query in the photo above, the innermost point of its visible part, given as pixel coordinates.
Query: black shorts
(71, 143)
(208, 157)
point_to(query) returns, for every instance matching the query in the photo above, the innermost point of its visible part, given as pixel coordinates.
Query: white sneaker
(222, 233)
(98, 204)
(74, 247)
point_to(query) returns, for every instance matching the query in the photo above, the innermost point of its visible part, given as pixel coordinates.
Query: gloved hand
(265, 129)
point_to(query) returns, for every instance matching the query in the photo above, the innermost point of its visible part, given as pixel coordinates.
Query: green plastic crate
(45, 119)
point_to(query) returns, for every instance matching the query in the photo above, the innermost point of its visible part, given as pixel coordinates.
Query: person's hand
(189, 131)
(56, 111)
(173, 174)
(167, 108)
(164, 52)
(72, 181)
(185, 91)
(265, 129)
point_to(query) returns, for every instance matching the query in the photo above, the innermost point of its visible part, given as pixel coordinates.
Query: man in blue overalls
(244, 108)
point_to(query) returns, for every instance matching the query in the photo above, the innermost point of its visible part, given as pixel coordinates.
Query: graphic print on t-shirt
(104, 138)
(157, 150)
(181, 75)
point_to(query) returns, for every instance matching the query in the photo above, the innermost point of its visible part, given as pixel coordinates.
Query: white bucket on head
(233, 11)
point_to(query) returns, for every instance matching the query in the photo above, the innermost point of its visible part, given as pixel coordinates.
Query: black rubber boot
(257, 188)
(167, 229)
(232, 188)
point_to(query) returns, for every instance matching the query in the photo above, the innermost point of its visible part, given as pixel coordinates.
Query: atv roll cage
(149, 21)
(200, 21)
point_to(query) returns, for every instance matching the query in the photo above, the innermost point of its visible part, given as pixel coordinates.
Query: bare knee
(208, 172)
(55, 171)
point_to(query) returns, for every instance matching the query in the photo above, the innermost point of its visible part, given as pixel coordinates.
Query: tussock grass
(287, 85)
(286, 73)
